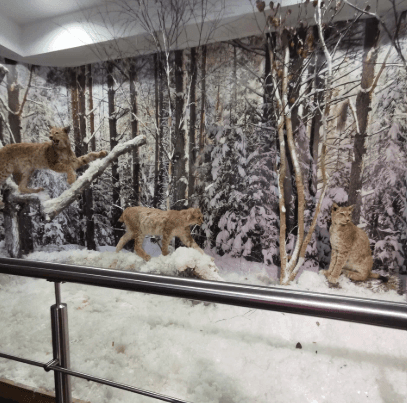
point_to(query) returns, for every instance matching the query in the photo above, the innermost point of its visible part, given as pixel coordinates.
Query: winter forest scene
(264, 147)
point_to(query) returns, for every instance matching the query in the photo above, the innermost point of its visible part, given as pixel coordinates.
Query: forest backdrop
(211, 120)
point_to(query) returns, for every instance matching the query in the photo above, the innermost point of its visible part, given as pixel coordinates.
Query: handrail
(366, 311)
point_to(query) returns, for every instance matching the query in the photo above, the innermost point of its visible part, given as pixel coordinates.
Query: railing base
(17, 392)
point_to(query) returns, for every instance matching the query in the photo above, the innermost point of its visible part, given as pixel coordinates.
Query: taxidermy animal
(142, 221)
(23, 159)
(351, 254)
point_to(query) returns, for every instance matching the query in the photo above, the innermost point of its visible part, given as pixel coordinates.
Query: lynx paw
(38, 190)
(324, 272)
(334, 285)
(147, 258)
(331, 280)
(102, 154)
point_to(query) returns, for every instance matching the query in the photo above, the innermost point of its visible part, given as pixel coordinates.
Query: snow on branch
(52, 207)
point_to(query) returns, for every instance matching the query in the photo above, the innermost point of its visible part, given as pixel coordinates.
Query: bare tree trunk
(13, 93)
(161, 167)
(157, 133)
(268, 82)
(21, 213)
(88, 193)
(134, 134)
(192, 127)
(3, 72)
(179, 158)
(116, 207)
(233, 103)
(12, 228)
(159, 100)
(76, 124)
(85, 204)
(363, 102)
(316, 121)
(203, 100)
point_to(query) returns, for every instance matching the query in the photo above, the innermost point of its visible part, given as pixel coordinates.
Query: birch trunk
(157, 131)
(134, 134)
(192, 127)
(12, 227)
(13, 93)
(23, 212)
(88, 193)
(203, 99)
(76, 125)
(179, 160)
(116, 210)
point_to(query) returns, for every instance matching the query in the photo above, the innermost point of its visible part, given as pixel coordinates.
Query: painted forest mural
(221, 121)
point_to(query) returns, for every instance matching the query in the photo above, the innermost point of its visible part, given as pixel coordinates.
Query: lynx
(142, 221)
(23, 159)
(350, 248)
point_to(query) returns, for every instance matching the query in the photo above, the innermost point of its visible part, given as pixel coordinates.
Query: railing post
(60, 346)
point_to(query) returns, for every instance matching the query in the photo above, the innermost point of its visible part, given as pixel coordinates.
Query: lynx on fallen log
(351, 254)
(22, 159)
(142, 221)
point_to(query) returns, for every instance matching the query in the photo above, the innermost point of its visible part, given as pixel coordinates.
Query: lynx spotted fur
(142, 221)
(351, 252)
(21, 160)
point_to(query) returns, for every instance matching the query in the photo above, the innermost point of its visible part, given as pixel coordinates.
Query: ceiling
(77, 32)
(24, 12)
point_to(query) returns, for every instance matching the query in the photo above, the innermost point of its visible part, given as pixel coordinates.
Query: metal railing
(371, 312)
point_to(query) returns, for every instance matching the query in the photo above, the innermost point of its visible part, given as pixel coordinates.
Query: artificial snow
(195, 351)
(183, 259)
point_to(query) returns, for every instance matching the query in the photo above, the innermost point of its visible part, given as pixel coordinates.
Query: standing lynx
(142, 221)
(23, 159)
(350, 248)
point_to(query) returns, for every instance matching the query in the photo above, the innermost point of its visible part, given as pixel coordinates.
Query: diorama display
(277, 159)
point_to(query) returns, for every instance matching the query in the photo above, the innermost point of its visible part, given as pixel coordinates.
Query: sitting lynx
(23, 159)
(350, 248)
(142, 221)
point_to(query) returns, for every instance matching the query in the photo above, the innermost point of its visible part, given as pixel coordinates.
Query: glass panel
(263, 144)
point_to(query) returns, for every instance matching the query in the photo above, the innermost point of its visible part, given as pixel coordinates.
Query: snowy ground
(202, 352)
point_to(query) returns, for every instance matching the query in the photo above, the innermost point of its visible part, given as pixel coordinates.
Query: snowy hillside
(197, 351)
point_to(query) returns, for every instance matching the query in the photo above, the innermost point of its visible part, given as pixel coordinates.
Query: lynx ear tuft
(350, 208)
(67, 129)
(334, 206)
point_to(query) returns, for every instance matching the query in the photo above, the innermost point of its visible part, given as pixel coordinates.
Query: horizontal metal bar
(366, 311)
(23, 360)
(118, 385)
(48, 366)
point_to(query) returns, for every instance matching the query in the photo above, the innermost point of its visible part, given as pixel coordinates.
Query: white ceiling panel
(24, 12)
